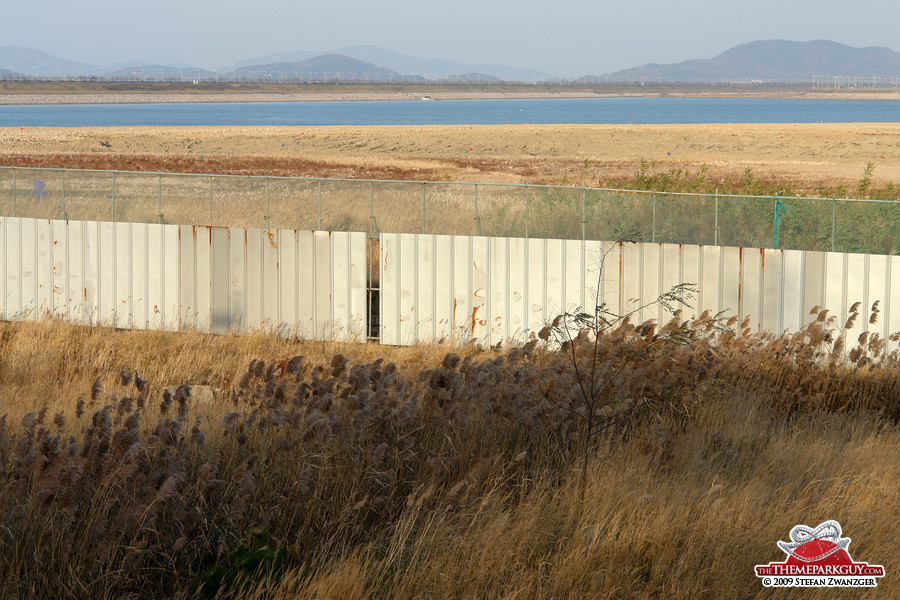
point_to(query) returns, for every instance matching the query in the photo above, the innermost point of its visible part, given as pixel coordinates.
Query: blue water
(459, 112)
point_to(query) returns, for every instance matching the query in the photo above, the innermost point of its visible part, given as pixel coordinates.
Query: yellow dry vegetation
(803, 155)
(295, 469)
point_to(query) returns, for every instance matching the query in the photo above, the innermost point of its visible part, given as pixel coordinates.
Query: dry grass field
(301, 470)
(183, 465)
(801, 157)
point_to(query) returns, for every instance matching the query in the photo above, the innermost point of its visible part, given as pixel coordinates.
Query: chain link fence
(502, 210)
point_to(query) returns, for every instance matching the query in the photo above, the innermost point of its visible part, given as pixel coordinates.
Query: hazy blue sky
(564, 37)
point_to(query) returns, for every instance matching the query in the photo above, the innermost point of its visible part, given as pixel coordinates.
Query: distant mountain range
(412, 65)
(774, 61)
(762, 61)
(326, 67)
(28, 62)
(356, 63)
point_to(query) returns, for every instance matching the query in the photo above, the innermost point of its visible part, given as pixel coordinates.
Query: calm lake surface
(458, 112)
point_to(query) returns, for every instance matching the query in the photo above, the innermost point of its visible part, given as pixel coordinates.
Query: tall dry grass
(327, 471)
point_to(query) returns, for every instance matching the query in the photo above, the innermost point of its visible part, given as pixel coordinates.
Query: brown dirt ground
(801, 154)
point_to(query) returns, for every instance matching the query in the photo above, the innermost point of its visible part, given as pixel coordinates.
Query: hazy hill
(771, 60)
(778, 60)
(439, 69)
(133, 63)
(281, 57)
(326, 66)
(406, 64)
(34, 63)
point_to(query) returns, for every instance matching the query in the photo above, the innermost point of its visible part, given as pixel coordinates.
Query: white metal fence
(149, 276)
(431, 287)
(497, 289)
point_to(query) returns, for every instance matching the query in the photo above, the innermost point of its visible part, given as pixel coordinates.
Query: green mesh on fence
(293, 204)
(867, 228)
(451, 208)
(613, 215)
(743, 221)
(685, 220)
(502, 211)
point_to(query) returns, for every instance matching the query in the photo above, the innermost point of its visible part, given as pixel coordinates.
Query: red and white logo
(818, 558)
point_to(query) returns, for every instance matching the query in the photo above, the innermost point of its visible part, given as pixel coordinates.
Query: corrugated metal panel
(671, 258)
(856, 290)
(629, 281)
(287, 273)
(188, 277)
(220, 279)
(182, 277)
(771, 290)
(731, 290)
(507, 288)
(75, 262)
(140, 265)
(892, 309)
(44, 270)
(304, 283)
(60, 269)
(610, 276)
(751, 287)
(877, 289)
(349, 312)
(306, 295)
(491, 289)
(255, 265)
(28, 280)
(321, 325)
(313, 284)
(480, 256)
(834, 284)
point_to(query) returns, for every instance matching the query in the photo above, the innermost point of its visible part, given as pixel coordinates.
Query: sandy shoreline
(411, 95)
